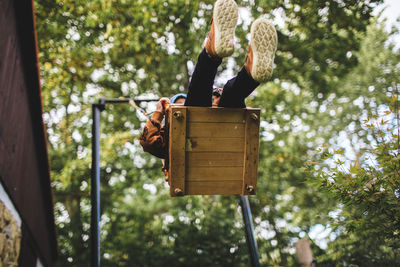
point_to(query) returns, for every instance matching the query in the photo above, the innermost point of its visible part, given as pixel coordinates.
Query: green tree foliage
(148, 49)
(366, 188)
(368, 193)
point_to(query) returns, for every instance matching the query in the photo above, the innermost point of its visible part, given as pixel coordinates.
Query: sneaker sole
(263, 43)
(225, 16)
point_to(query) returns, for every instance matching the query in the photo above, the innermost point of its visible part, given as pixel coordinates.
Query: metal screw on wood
(178, 192)
(254, 116)
(178, 115)
(250, 188)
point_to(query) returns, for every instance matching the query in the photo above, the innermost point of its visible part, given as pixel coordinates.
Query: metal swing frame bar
(95, 190)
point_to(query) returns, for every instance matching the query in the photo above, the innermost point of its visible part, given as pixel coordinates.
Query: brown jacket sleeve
(153, 136)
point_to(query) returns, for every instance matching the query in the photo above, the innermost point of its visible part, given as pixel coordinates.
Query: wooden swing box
(213, 151)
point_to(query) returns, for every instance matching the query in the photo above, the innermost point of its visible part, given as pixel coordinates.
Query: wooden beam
(251, 143)
(177, 166)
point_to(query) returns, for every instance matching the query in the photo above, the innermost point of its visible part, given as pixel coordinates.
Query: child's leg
(257, 68)
(201, 84)
(219, 44)
(237, 89)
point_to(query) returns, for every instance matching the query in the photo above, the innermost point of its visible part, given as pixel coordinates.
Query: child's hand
(162, 104)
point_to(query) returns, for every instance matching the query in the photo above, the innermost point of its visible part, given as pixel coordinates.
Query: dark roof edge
(29, 49)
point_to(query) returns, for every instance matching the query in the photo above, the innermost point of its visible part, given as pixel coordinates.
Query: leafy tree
(366, 188)
(148, 48)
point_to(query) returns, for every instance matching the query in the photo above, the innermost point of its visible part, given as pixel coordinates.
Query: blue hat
(176, 97)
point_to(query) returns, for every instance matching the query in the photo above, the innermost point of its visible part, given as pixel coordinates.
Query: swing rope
(141, 110)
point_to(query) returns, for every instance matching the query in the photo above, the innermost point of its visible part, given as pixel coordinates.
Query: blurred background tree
(363, 175)
(144, 49)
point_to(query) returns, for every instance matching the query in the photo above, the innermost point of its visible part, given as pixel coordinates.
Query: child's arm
(152, 139)
(153, 136)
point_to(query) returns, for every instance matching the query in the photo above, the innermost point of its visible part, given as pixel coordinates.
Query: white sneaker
(225, 16)
(263, 40)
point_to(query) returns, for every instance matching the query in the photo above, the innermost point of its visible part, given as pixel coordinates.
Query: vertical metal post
(249, 228)
(95, 186)
(95, 175)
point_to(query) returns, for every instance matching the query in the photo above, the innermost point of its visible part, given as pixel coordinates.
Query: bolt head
(254, 116)
(250, 188)
(178, 192)
(178, 115)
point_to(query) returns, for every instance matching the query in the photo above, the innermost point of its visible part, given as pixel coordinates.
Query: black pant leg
(237, 89)
(201, 85)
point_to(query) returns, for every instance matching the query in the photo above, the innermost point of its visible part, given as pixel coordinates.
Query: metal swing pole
(95, 185)
(249, 229)
(95, 175)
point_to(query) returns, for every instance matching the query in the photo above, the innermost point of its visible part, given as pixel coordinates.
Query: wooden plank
(214, 174)
(177, 119)
(201, 114)
(215, 129)
(209, 144)
(214, 159)
(252, 135)
(213, 188)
